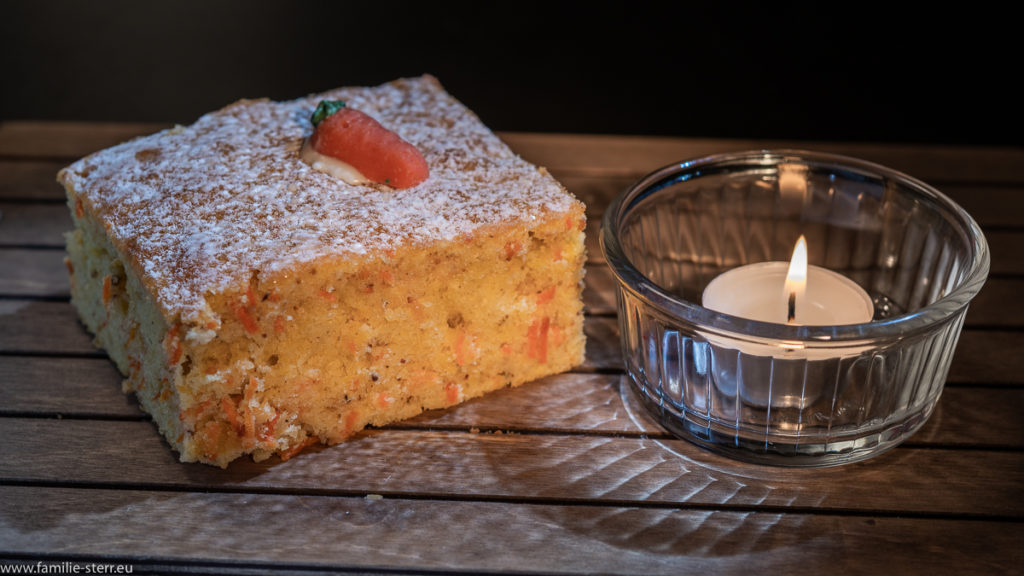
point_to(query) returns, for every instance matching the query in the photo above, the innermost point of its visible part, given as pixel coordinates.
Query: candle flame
(796, 279)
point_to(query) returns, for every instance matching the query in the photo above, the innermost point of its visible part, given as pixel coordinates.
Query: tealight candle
(784, 293)
(789, 293)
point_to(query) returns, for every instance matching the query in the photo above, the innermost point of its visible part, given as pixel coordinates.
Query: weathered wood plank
(627, 156)
(990, 206)
(42, 327)
(34, 273)
(63, 386)
(966, 416)
(998, 304)
(394, 535)
(70, 140)
(34, 224)
(989, 357)
(1006, 248)
(30, 180)
(565, 403)
(434, 464)
(604, 348)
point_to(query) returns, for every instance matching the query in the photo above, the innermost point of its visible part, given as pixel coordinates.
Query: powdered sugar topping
(199, 209)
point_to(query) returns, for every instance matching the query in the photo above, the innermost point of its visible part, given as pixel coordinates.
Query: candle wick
(791, 316)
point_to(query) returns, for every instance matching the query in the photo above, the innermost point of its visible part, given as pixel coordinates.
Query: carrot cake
(257, 303)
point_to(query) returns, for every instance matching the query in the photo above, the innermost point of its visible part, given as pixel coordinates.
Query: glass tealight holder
(785, 394)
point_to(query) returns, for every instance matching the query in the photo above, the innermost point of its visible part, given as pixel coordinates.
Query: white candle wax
(757, 292)
(763, 292)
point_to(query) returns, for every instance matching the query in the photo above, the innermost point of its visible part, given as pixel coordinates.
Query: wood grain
(629, 156)
(41, 273)
(78, 387)
(254, 531)
(990, 356)
(33, 224)
(524, 467)
(33, 180)
(26, 139)
(42, 327)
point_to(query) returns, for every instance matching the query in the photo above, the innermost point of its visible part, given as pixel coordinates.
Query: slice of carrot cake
(264, 283)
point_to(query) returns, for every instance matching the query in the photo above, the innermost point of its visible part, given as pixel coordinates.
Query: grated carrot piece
(546, 296)
(247, 321)
(267, 436)
(210, 435)
(172, 345)
(250, 297)
(192, 414)
(461, 348)
(351, 419)
(227, 405)
(555, 335)
(294, 450)
(511, 249)
(452, 392)
(537, 339)
(108, 289)
(249, 438)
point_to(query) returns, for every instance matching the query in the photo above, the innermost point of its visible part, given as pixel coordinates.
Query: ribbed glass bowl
(778, 393)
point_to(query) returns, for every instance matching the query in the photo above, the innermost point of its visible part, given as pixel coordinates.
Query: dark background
(806, 71)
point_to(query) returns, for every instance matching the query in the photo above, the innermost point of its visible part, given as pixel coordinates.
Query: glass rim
(633, 280)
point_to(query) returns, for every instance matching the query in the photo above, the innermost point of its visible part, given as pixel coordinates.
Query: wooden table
(562, 475)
